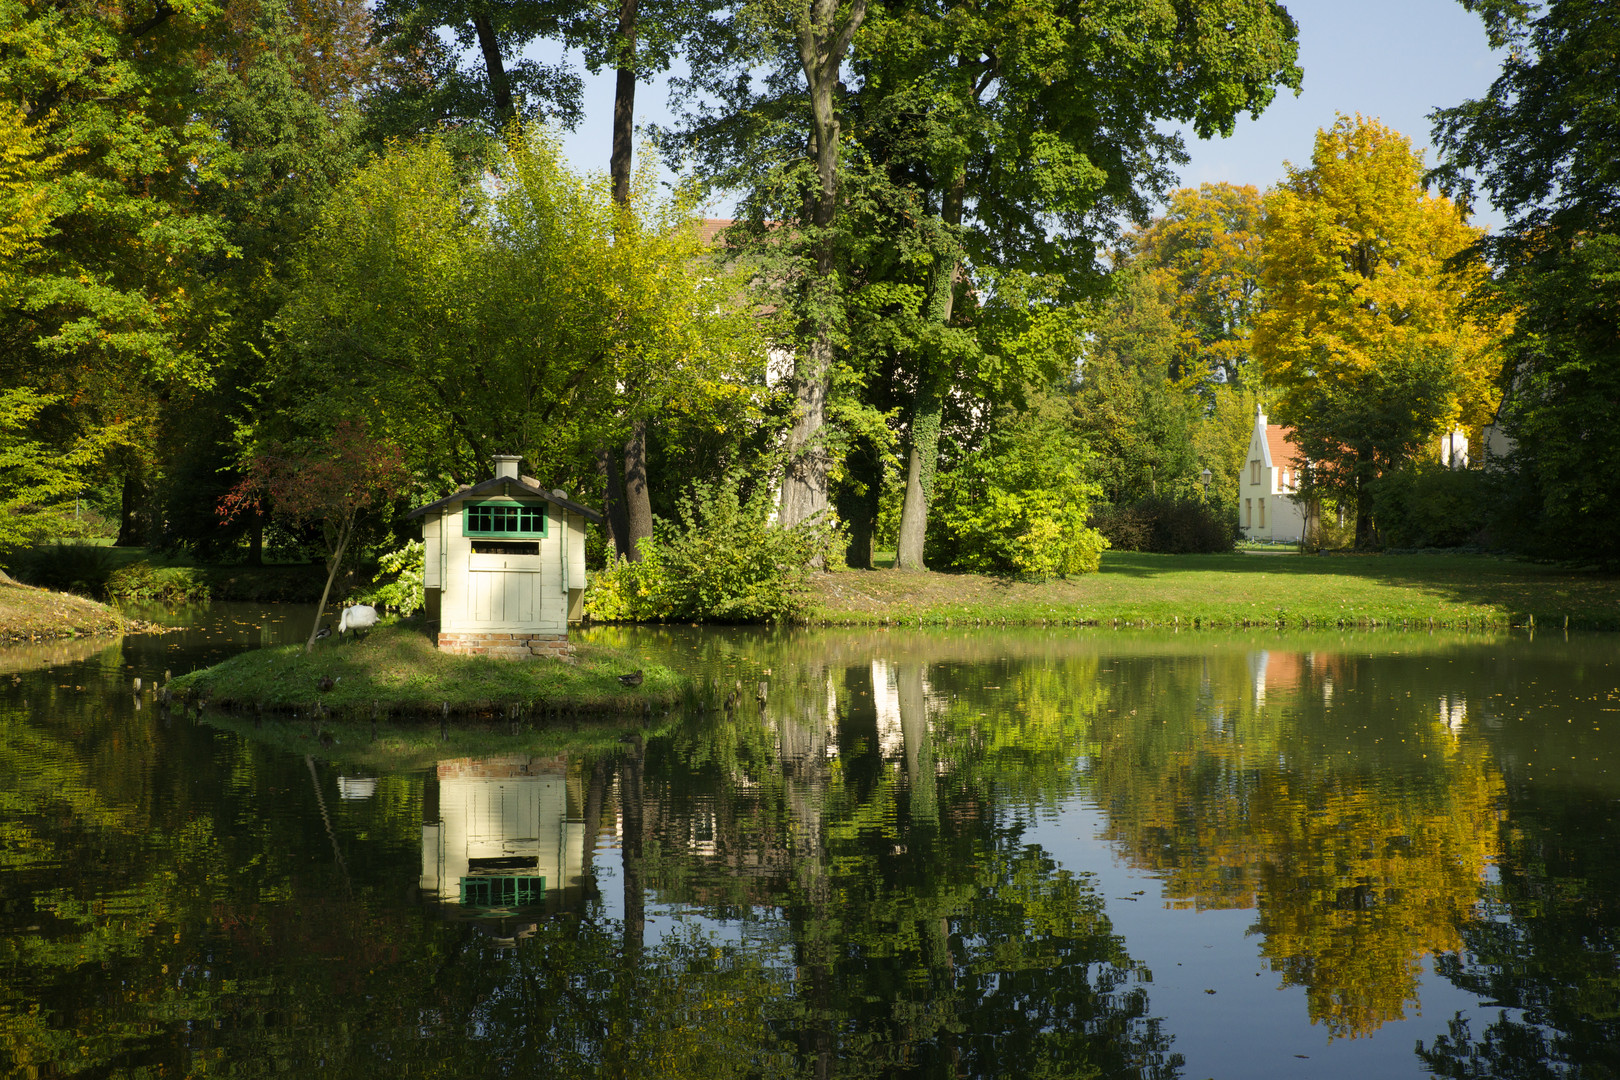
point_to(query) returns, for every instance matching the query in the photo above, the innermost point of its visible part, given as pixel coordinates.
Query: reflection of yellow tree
(1360, 835)
(1363, 879)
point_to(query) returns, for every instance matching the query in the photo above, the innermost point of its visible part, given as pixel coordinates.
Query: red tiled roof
(711, 228)
(1284, 454)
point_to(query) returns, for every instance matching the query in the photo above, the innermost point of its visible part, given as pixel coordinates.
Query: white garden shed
(504, 570)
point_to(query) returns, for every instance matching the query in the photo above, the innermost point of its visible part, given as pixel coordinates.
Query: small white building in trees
(504, 570)
(1268, 504)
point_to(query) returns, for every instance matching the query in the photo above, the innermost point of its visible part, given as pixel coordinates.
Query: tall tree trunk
(637, 501)
(624, 103)
(132, 504)
(858, 505)
(609, 460)
(494, 67)
(823, 43)
(637, 491)
(933, 379)
(1364, 516)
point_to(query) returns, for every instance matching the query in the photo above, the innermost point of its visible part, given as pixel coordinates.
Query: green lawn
(1245, 588)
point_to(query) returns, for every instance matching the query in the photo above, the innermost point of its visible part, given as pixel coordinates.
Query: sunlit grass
(1237, 590)
(398, 670)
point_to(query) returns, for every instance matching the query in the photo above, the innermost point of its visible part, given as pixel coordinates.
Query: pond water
(992, 853)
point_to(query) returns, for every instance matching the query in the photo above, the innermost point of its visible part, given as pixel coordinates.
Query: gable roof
(1284, 454)
(501, 485)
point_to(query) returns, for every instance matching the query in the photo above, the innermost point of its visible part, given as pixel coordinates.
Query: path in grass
(1245, 588)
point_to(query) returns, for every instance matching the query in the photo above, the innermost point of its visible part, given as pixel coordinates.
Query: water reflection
(498, 838)
(957, 854)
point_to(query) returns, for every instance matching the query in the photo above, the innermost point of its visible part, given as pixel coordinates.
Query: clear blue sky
(1393, 59)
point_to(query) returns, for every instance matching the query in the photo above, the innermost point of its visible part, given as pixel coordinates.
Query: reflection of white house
(503, 839)
(1267, 507)
(1277, 672)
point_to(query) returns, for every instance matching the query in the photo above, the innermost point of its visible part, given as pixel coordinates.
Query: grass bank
(1246, 588)
(401, 673)
(145, 575)
(30, 614)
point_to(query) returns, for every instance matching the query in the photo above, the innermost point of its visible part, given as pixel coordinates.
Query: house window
(1262, 513)
(1254, 472)
(503, 520)
(1248, 509)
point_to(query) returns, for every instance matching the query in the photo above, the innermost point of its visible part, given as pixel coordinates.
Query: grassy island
(398, 671)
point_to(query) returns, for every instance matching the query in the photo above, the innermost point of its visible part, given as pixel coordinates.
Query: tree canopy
(1368, 338)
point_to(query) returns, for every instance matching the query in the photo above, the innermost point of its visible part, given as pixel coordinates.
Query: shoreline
(32, 614)
(399, 674)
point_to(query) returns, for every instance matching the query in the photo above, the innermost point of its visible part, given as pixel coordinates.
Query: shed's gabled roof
(499, 485)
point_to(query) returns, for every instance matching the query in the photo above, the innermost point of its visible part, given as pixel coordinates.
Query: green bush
(403, 594)
(1426, 504)
(141, 581)
(1326, 534)
(1019, 506)
(76, 568)
(724, 561)
(1166, 526)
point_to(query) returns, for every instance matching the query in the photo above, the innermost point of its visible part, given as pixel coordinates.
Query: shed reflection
(499, 840)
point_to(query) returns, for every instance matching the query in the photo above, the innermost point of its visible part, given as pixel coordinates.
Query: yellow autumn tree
(1367, 339)
(24, 209)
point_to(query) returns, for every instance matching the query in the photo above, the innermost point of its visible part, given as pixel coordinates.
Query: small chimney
(506, 466)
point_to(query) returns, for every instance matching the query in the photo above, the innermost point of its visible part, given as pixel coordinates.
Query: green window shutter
(504, 520)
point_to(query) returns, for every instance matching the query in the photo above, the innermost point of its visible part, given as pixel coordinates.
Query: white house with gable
(1268, 505)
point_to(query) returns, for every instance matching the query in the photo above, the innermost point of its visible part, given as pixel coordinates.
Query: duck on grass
(398, 671)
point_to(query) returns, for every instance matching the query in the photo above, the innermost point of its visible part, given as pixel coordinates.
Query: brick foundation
(518, 646)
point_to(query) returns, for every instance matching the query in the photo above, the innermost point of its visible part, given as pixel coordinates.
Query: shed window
(1262, 513)
(501, 520)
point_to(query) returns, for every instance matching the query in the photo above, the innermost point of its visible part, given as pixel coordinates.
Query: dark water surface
(1020, 853)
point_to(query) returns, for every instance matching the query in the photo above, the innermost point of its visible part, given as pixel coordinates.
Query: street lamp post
(1206, 474)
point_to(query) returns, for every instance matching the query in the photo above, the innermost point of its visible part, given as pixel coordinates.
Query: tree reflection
(1544, 955)
(1338, 808)
(926, 935)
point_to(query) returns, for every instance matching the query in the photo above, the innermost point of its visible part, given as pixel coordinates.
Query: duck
(631, 680)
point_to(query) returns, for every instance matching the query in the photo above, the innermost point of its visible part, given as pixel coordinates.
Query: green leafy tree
(103, 308)
(1127, 406)
(1204, 254)
(36, 480)
(435, 85)
(519, 311)
(1542, 142)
